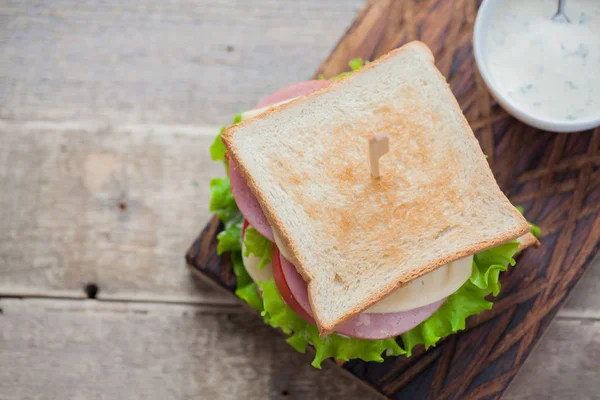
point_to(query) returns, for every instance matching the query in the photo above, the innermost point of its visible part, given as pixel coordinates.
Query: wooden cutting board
(555, 177)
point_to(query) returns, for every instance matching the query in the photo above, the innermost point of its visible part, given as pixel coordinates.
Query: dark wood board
(555, 177)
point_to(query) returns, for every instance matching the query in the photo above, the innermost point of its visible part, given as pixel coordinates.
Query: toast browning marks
(355, 239)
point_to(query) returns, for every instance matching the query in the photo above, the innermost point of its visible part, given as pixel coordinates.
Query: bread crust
(327, 327)
(528, 240)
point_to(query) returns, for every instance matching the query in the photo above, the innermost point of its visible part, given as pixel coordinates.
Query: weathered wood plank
(156, 61)
(153, 62)
(91, 203)
(586, 296)
(105, 350)
(90, 349)
(564, 365)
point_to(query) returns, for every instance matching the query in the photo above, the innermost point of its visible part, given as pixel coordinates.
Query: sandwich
(355, 263)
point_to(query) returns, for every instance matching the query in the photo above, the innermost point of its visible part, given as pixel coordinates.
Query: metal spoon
(560, 15)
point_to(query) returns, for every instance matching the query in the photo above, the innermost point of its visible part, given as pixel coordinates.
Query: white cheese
(426, 289)
(257, 111)
(251, 264)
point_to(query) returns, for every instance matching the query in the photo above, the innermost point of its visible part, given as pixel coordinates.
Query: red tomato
(244, 227)
(282, 285)
(284, 289)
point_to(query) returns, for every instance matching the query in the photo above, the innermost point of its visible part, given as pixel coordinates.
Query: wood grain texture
(106, 350)
(149, 61)
(556, 178)
(565, 338)
(59, 349)
(93, 203)
(586, 296)
(138, 80)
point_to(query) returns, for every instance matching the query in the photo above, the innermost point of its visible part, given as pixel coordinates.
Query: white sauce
(550, 69)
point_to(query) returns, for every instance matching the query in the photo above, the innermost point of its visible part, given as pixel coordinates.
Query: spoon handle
(560, 15)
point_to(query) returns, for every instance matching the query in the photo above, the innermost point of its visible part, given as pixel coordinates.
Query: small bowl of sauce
(545, 73)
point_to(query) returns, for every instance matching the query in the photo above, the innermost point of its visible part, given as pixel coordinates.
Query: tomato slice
(244, 227)
(284, 289)
(282, 285)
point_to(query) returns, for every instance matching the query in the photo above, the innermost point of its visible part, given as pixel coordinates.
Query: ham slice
(363, 326)
(289, 92)
(247, 203)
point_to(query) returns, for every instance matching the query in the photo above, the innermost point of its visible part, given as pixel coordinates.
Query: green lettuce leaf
(258, 245)
(354, 65)
(535, 230)
(246, 289)
(230, 238)
(237, 118)
(277, 314)
(217, 148)
(357, 63)
(468, 300)
(223, 204)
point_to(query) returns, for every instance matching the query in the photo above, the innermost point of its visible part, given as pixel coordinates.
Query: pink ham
(364, 326)
(244, 198)
(289, 92)
(247, 203)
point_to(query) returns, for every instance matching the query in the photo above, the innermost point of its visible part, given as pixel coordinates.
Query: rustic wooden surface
(555, 177)
(113, 350)
(104, 201)
(106, 109)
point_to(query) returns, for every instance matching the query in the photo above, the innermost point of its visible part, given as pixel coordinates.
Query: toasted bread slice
(353, 238)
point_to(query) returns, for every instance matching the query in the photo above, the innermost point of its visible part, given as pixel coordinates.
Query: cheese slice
(253, 113)
(426, 289)
(251, 264)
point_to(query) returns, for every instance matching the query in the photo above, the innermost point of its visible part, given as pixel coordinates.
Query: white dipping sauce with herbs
(550, 69)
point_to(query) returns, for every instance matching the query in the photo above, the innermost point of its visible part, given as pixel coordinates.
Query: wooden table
(106, 113)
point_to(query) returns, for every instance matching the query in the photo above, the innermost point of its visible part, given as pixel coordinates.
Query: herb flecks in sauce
(550, 69)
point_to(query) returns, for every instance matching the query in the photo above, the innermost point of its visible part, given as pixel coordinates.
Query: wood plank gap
(217, 304)
(99, 125)
(580, 315)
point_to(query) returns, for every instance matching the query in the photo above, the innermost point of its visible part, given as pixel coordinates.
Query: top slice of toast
(354, 238)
